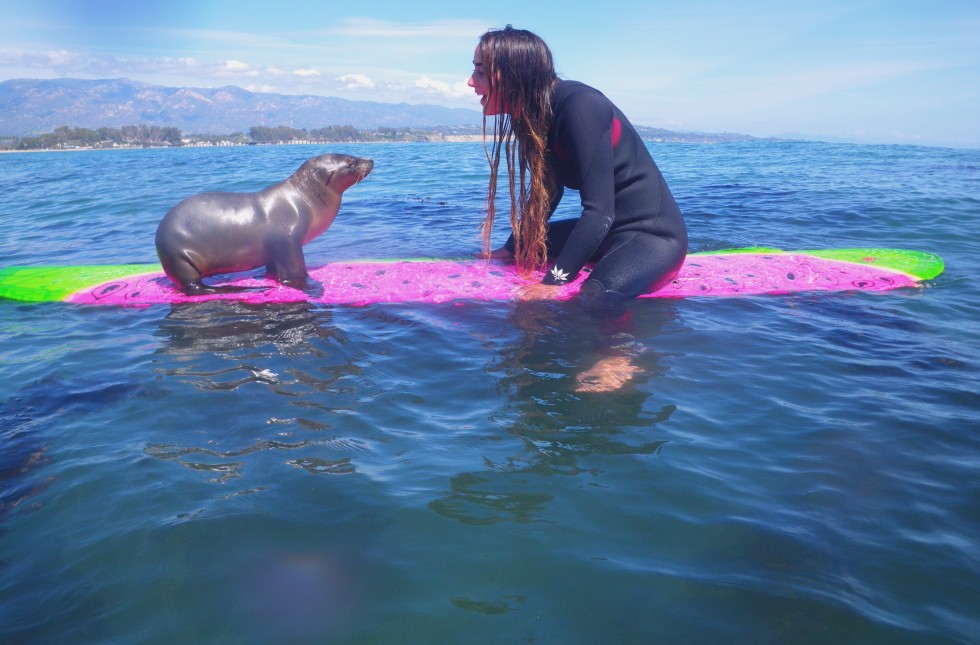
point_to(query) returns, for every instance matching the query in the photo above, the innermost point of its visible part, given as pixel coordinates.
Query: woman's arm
(584, 127)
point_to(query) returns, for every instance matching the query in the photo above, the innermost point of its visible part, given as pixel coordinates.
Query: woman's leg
(635, 263)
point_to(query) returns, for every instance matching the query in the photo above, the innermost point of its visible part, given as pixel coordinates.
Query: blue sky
(891, 71)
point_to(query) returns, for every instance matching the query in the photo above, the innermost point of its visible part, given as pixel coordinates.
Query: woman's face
(480, 83)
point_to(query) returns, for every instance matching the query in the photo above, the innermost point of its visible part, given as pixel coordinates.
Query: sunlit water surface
(784, 469)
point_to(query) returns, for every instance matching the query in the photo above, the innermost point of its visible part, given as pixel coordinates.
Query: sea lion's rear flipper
(308, 285)
(201, 289)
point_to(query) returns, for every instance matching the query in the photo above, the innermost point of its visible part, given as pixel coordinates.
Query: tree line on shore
(151, 136)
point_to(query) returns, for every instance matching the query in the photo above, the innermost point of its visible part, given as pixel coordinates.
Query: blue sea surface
(783, 469)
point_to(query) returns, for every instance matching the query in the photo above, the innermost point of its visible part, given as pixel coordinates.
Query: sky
(886, 71)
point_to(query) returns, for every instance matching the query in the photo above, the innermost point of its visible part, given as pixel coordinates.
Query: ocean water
(783, 469)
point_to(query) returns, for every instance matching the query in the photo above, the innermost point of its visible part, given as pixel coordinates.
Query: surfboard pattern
(732, 272)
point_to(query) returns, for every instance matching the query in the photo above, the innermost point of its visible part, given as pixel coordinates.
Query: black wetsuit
(630, 224)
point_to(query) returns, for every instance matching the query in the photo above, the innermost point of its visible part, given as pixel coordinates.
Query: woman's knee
(596, 297)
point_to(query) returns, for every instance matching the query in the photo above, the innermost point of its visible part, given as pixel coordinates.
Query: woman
(559, 134)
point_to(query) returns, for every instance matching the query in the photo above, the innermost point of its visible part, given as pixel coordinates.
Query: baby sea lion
(211, 233)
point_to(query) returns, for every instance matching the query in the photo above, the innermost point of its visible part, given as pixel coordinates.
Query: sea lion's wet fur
(212, 233)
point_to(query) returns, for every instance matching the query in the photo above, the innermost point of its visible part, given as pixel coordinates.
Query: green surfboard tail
(55, 283)
(921, 265)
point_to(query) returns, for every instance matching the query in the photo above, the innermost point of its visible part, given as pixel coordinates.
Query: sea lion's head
(339, 172)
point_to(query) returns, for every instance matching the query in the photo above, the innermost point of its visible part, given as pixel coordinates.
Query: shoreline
(462, 138)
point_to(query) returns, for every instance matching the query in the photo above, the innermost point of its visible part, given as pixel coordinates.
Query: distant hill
(30, 107)
(33, 107)
(659, 135)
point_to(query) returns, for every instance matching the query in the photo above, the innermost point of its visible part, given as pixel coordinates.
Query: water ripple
(791, 468)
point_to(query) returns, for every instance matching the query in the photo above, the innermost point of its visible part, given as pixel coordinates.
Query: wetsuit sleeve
(556, 196)
(585, 129)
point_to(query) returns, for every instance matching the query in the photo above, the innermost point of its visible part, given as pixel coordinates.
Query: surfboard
(731, 272)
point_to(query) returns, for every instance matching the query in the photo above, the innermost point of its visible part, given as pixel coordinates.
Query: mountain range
(31, 107)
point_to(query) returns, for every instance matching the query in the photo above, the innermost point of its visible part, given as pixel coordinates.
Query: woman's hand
(537, 291)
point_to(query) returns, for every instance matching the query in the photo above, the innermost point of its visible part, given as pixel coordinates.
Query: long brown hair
(521, 76)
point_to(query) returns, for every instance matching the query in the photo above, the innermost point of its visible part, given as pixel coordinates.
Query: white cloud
(308, 72)
(72, 63)
(233, 69)
(39, 60)
(457, 90)
(235, 66)
(356, 82)
(61, 58)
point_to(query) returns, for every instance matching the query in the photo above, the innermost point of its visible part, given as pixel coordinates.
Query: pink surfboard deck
(736, 272)
(436, 281)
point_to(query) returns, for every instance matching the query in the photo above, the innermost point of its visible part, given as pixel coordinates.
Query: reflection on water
(299, 357)
(558, 426)
(228, 347)
(230, 326)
